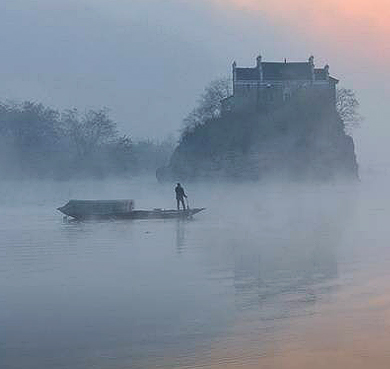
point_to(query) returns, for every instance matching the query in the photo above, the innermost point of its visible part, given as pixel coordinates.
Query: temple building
(270, 84)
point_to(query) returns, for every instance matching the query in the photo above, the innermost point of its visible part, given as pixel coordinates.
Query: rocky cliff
(301, 140)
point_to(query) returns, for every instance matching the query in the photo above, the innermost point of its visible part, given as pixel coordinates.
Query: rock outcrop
(302, 140)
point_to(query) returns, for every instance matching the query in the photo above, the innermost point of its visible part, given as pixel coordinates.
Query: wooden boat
(119, 209)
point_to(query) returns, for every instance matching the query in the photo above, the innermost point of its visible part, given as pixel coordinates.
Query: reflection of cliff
(294, 269)
(303, 139)
(258, 280)
(281, 257)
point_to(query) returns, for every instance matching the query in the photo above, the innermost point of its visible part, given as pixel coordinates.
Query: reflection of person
(180, 235)
(180, 195)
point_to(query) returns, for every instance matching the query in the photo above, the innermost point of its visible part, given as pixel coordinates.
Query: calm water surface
(268, 276)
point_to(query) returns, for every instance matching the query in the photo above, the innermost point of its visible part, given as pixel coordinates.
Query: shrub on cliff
(303, 138)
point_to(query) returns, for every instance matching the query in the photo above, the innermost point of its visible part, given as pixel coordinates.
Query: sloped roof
(286, 71)
(247, 74)
(276, 71)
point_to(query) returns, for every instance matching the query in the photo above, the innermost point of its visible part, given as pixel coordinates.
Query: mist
(177, 293)
(287, 265)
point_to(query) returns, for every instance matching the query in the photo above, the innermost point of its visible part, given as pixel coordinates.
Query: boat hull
(85, 210)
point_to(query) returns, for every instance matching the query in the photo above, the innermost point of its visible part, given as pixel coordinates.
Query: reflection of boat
(119, 209)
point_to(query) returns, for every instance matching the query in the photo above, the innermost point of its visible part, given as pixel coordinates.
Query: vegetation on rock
(302, 139)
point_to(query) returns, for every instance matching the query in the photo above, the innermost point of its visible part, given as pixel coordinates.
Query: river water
(270, 276)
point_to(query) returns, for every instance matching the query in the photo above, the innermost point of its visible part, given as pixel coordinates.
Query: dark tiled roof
(320, 74)
(276, 71)
(286, 71)
(247, 74)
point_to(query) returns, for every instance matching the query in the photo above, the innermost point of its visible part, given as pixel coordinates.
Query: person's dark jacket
(180, 193)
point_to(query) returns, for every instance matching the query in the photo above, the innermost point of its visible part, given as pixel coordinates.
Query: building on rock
(270, 84)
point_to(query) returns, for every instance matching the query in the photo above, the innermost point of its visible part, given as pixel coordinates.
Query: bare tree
(209, 104)
(347, 106)
(90, 131)
(100, 129)
(72, 128)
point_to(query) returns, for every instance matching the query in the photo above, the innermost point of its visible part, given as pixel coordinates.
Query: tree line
(40, 141)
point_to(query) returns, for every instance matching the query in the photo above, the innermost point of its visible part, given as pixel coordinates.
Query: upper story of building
(274, 82)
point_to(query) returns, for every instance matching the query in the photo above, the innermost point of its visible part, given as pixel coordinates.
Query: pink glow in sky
(360, 26)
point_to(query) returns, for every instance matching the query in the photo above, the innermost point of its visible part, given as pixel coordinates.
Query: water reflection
(280, 269)
(290, 270)
(180, 235)
(137, 293)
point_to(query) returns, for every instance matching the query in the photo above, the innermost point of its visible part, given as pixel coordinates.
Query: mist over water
(272, 274)
(248, 274)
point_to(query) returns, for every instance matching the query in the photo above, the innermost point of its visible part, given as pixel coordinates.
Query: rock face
(302, 140)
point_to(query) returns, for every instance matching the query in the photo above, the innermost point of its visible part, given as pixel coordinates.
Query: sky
(149, 60)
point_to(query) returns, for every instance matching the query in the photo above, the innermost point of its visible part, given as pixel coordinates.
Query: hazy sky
(148, 60)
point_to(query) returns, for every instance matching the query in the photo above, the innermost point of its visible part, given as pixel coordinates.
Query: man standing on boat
(180, 195)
